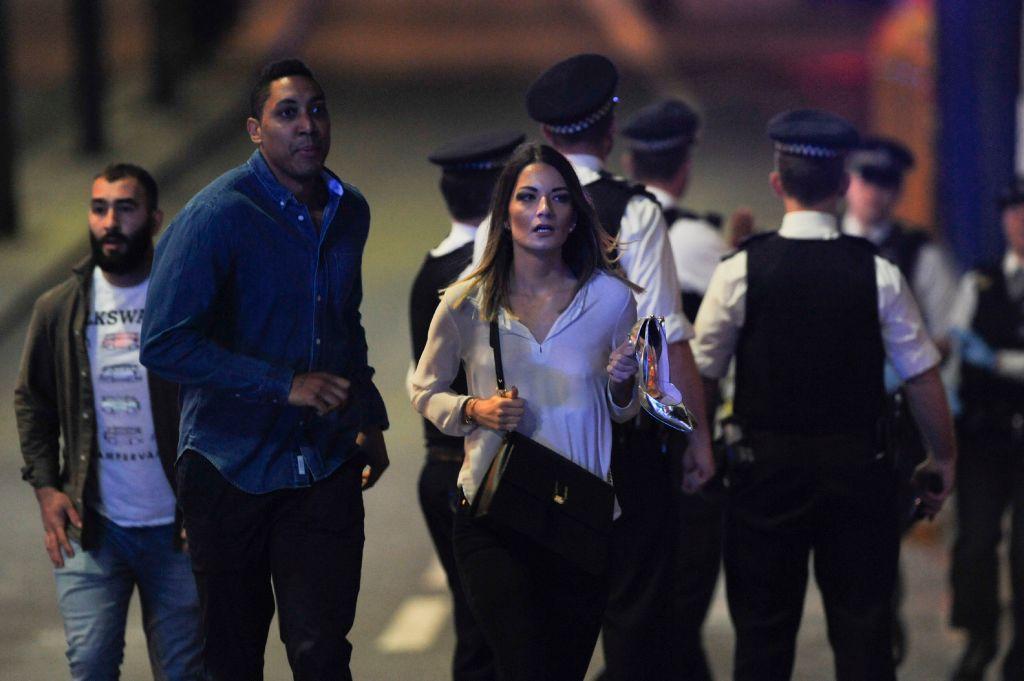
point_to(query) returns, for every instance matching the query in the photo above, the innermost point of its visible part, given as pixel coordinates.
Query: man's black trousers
(637, 627)
(438, 493)
(833, 496)
(990, 481)
(308, 542)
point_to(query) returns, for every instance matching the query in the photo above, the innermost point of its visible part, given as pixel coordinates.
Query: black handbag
(537, 492)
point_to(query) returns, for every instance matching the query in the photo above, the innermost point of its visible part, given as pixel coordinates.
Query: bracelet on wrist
(467, 418)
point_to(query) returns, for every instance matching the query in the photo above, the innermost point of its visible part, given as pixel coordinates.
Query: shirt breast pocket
(342, 270)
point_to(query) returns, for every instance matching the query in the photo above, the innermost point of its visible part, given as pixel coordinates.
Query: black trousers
(307, 542)
(990, 481)
(637, 625)
(698, 558)
(540, 614)
(438, 493)
(835, 496)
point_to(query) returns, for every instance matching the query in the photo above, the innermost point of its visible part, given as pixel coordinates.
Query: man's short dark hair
(592, 135)
(120, 171)
(658, 165)
(271, 72)
(468, 195)
(810, 180)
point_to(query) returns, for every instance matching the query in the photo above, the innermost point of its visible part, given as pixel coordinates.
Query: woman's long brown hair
(588, 249)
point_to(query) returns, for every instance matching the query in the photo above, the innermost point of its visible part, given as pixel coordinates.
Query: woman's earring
(507, 226)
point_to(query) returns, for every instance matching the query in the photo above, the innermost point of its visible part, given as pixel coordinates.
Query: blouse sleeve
(430, 386)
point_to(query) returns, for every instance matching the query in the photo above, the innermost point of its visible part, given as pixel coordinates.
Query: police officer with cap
(660, 137)
(470, 166)
(877, 168)
(574, 101)
(988, 328)
(811, 316)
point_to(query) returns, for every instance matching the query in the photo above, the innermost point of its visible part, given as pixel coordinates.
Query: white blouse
(563, 379)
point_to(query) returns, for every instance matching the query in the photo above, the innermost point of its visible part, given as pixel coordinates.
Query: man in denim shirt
(254, 309)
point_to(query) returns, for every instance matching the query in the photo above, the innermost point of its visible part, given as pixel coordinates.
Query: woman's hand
(500, 412)
(622, 368)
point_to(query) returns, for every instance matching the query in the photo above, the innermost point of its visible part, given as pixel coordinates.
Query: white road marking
(434, 578)
(416, 625)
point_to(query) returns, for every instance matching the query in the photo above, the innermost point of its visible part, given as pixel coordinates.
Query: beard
(129, 260)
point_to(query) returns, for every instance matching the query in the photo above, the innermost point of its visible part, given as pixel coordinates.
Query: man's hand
(371, 441)
(931, 502)
(57, 511)
(320, 390)
(698, 465)
(500, 412)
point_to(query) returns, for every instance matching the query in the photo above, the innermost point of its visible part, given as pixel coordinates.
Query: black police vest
(902, 248)
(610, 195)
(990, 401)
(435, 274)
(810, 352)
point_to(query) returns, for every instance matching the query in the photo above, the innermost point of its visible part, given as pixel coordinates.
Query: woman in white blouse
(564, 310)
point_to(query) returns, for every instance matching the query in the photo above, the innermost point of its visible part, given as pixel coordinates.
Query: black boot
(980, 651)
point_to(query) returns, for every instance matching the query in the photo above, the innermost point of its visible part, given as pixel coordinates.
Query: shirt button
(85, 414)
(84, 373)
(82, 457)
(301, 218)
(318, 341)
(319, 299)
(282, 204)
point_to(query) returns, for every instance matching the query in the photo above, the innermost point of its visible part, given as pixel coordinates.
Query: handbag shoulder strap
(499, 371)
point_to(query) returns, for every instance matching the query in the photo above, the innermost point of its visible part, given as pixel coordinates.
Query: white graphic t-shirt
(133, 488)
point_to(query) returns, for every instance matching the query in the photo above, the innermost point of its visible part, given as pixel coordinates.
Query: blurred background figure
(988, 328)
(877, 168)
(470, 166)
(660, 138)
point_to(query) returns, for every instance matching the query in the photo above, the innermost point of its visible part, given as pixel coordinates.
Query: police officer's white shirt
(1009, 363)
(460, 234)
(935, 279)
(697, 246)
(644, 253)
(722, 314)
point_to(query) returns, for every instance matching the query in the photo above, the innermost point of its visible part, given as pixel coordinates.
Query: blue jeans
(93, 590)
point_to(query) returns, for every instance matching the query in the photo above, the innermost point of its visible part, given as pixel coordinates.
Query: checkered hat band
(580, 126)
(475, 165)
(658, 145)
(807, 150)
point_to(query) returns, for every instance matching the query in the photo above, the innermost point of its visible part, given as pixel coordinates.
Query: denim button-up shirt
(245, 293)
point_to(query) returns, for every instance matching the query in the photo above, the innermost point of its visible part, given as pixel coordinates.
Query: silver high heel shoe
(658, 396)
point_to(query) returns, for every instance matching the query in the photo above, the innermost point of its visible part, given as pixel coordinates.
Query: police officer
(470, 166)
(877, 168)
(988, 320)
(660, 137)
(574, 102)
(811, 317)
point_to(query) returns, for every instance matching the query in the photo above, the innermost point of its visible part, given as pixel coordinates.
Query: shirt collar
(278, 192)
(460, 235)
(587, 166)
(664, 198)
(876, 233)
(809, 224)
(1012, 264)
